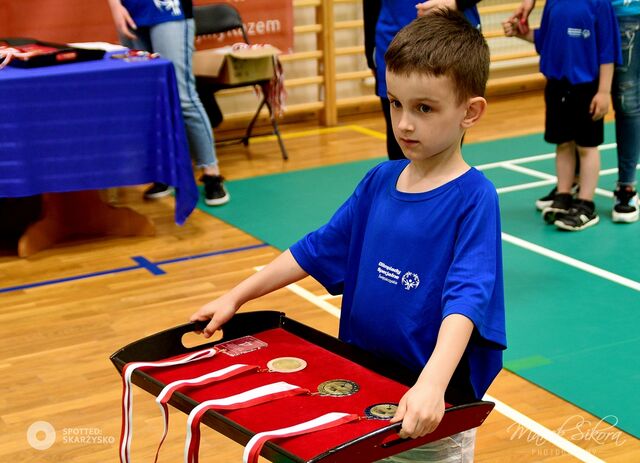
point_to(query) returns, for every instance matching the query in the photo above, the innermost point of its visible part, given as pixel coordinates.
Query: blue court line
(147, 264)
(142, 263)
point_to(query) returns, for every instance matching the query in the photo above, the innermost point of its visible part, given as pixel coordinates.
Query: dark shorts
(567, 115)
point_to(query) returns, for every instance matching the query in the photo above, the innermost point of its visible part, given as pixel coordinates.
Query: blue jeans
(174, 41)
(626, 100)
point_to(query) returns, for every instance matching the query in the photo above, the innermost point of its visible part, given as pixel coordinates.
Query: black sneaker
(215, 194)
(581, 215)
(625, 209)
(158, 190)
(560, 205)
(545, 201)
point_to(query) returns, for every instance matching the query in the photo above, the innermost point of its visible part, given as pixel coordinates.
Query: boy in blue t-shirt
(578, 43)
(416, 249)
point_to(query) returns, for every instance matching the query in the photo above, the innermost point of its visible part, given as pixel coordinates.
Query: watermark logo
(575, 428)
(41, 435)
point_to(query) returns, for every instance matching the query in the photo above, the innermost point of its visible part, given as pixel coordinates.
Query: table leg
(80, 213)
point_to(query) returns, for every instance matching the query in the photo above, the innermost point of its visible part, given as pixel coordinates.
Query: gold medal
(384, 411)
(286, 364)
(338, 388)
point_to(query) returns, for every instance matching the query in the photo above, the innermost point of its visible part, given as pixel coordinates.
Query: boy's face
(425, 114)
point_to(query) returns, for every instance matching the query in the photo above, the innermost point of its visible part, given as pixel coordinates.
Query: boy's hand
(218, 311)
(421, 409)
(430, 6)
(599, 106)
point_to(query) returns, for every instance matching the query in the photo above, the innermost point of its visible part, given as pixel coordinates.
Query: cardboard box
(229, 66)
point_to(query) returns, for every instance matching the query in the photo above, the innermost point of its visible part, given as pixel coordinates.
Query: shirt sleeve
(324, 253)
(608, 34)
(474, 286)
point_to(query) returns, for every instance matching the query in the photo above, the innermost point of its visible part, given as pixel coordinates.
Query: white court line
(537, 157)
(572, 262)
(548, 435)
(548, 179)
(502, 408)
(309, 296)
(527, 171)
(525, 186)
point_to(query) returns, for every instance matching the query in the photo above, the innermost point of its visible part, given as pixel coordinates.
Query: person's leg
(174, 41)
(589, 135)
(589, 171)
(458, 448)
(393, 149)
(565, 169)
(565, 166)
(626, 102)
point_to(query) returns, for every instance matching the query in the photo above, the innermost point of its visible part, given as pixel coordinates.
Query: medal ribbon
(127, 396)
(245, 399)
(329, 420)
(169, 389)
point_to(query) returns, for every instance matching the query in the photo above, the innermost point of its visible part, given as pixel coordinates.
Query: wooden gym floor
(58, 330)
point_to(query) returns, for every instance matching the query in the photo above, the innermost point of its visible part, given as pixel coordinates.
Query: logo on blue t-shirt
(578, 33)
(410, 281)
(172, 6)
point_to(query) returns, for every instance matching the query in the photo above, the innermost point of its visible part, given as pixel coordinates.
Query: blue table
(93, 125)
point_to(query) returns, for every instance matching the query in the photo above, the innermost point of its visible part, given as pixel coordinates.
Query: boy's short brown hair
(442, 43)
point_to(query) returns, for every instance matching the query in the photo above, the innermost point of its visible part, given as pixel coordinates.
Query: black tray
(62, 54)
(369, 447)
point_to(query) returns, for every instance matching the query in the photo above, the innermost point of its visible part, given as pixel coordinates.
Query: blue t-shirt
(146, 13)
(575, 38)
(394, 15)
(405, 261)
(626, 7)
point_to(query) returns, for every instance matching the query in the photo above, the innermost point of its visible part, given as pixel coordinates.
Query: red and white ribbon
(214, 376)
(329, 420)
(245, 399)
(127, 396)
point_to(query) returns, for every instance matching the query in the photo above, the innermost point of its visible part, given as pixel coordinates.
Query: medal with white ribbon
(329, 420)
(245, 399)
(127, 396)
(215, 376)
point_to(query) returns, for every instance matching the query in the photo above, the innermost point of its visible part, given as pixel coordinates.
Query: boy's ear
(475, 109)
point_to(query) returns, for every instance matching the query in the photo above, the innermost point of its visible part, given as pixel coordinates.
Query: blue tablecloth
(93, 125)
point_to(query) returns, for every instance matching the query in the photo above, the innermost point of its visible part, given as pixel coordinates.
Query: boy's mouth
(408, 141)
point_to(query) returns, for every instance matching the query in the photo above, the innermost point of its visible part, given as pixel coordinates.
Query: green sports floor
(573, 299)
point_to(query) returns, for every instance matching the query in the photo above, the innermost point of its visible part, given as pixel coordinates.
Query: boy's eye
(395, 104)
(423, 108)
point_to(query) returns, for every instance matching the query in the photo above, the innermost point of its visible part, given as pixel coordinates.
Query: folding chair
(219, 18)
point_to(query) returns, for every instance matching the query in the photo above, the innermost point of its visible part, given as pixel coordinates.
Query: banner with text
(266, 21)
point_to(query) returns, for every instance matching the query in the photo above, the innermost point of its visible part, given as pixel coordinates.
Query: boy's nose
(405, 124)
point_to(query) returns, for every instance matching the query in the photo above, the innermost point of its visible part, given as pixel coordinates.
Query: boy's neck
(427, 175)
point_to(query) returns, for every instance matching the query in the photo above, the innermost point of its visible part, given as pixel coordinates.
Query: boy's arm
(282, 271)
(600, 102)
(421, 409)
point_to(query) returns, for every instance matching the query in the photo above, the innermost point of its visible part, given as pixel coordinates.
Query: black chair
(216, 19)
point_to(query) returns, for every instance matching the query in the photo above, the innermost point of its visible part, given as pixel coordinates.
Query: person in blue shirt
(382, 21)
(626, 102)
(578, 43)
(416, 249)
(167, 27)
